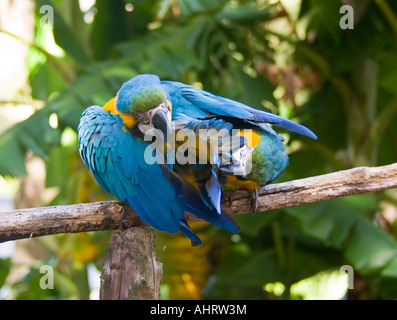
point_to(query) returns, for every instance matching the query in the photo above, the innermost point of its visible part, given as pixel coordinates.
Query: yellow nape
(253, 138)
(232, 181)
(128, 120)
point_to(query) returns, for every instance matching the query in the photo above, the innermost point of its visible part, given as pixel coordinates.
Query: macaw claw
(124, 224)
(226, 197)
(254, 200)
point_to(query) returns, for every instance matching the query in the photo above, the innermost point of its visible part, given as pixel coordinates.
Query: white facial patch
(144, 128)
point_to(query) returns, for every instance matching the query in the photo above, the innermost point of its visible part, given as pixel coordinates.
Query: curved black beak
(160, 121)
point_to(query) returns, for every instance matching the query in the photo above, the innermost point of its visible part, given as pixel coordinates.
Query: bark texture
(34, 222)
(131, 270)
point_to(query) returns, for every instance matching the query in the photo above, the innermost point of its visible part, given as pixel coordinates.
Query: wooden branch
(34, 222)
(319, 188)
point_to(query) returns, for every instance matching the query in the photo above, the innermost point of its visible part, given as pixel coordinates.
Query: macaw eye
(166, 105)
(169, 105)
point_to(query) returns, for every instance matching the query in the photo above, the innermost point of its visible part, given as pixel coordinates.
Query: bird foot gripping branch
(124, 223)
(216, 142)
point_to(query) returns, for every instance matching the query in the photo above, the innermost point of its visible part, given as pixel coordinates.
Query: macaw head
(143, 103)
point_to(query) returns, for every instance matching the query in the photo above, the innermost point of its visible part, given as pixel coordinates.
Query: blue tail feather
(189, 233)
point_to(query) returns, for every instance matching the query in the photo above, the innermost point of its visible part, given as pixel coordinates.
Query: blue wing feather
(188, 233)
(142, 212)
(200, 104)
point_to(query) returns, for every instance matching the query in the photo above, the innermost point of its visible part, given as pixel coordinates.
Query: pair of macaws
(117, 143)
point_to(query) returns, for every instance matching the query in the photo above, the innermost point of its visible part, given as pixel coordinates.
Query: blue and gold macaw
(257, 160)
(114, 145)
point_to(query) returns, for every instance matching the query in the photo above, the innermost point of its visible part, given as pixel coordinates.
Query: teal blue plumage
(269, 158)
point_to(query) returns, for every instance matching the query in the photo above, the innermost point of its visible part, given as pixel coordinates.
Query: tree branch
(101, 216)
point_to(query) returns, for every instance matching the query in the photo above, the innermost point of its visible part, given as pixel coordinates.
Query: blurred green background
(290, 57)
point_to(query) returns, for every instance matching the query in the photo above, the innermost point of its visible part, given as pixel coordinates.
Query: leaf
(5, 264)
(323, 21)
(259, 269)
(252, 225)
(33, 134)
(370, 249)
(65, 36)
(389, 82)
(44, 80)
(246, 14)
(243, 271)
(57, 167)
(109, 28)
(12, 155)
(242, 274)
(341, 224)
(254, 90)
(192, 7)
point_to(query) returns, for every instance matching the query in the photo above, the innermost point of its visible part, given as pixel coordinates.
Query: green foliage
(5, 265)
(295, 60)
(69, 256)
(108, 29)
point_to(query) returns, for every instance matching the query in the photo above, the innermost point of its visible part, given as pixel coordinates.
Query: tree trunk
(131, 270)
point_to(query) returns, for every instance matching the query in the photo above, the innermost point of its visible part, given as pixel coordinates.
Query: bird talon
(226, 197)
(124, 224)
(254, 200)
